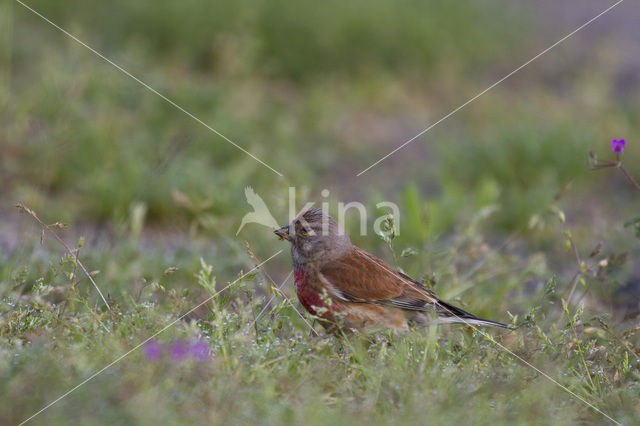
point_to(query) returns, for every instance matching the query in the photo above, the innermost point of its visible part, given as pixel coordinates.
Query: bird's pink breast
(308, 296)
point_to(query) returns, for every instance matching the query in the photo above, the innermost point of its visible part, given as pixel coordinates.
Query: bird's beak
(283, 233)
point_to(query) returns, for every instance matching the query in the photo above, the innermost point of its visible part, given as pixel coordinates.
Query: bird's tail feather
(451, 314)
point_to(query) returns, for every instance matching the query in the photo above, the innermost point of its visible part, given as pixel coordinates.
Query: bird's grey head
(315, 236)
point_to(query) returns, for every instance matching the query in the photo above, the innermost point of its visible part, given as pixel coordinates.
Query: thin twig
(629, 177)
(574, 284)
(596, 164)
(279, 291)
(74, 281)
(33, 214)
(266, 305)
(580, 271)
(575, 249)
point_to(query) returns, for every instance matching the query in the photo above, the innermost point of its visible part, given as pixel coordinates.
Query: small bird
(351, 289)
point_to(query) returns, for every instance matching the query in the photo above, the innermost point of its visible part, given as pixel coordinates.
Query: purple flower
(153, 351)
(617, 146)
(200, 350)
(179, 350)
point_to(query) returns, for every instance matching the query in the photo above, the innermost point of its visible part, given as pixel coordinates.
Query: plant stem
(629, 177)
(33, 214)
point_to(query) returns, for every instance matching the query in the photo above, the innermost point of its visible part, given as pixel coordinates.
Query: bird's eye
(303, 229)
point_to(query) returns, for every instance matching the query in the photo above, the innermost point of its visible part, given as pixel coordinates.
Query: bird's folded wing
(361, 277)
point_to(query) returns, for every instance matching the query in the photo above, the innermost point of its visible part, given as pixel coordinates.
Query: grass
(279, 371)
(500, 213)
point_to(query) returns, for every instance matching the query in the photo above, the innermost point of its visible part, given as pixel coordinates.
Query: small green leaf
(578, 315)
(550, 287)
(625, 363)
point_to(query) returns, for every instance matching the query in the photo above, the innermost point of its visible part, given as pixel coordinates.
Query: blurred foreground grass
(55, 333)
(319, 91)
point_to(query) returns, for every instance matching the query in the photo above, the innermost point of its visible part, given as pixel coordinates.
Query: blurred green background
(319, 91)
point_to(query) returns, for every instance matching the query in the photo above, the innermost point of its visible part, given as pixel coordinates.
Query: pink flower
(200, 350)
(179, 350)
(153, 351)
(617, 146)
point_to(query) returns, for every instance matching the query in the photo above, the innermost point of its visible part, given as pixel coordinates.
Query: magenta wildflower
(617, 145)
(153, 351)
(179, 350)
(200, 350)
